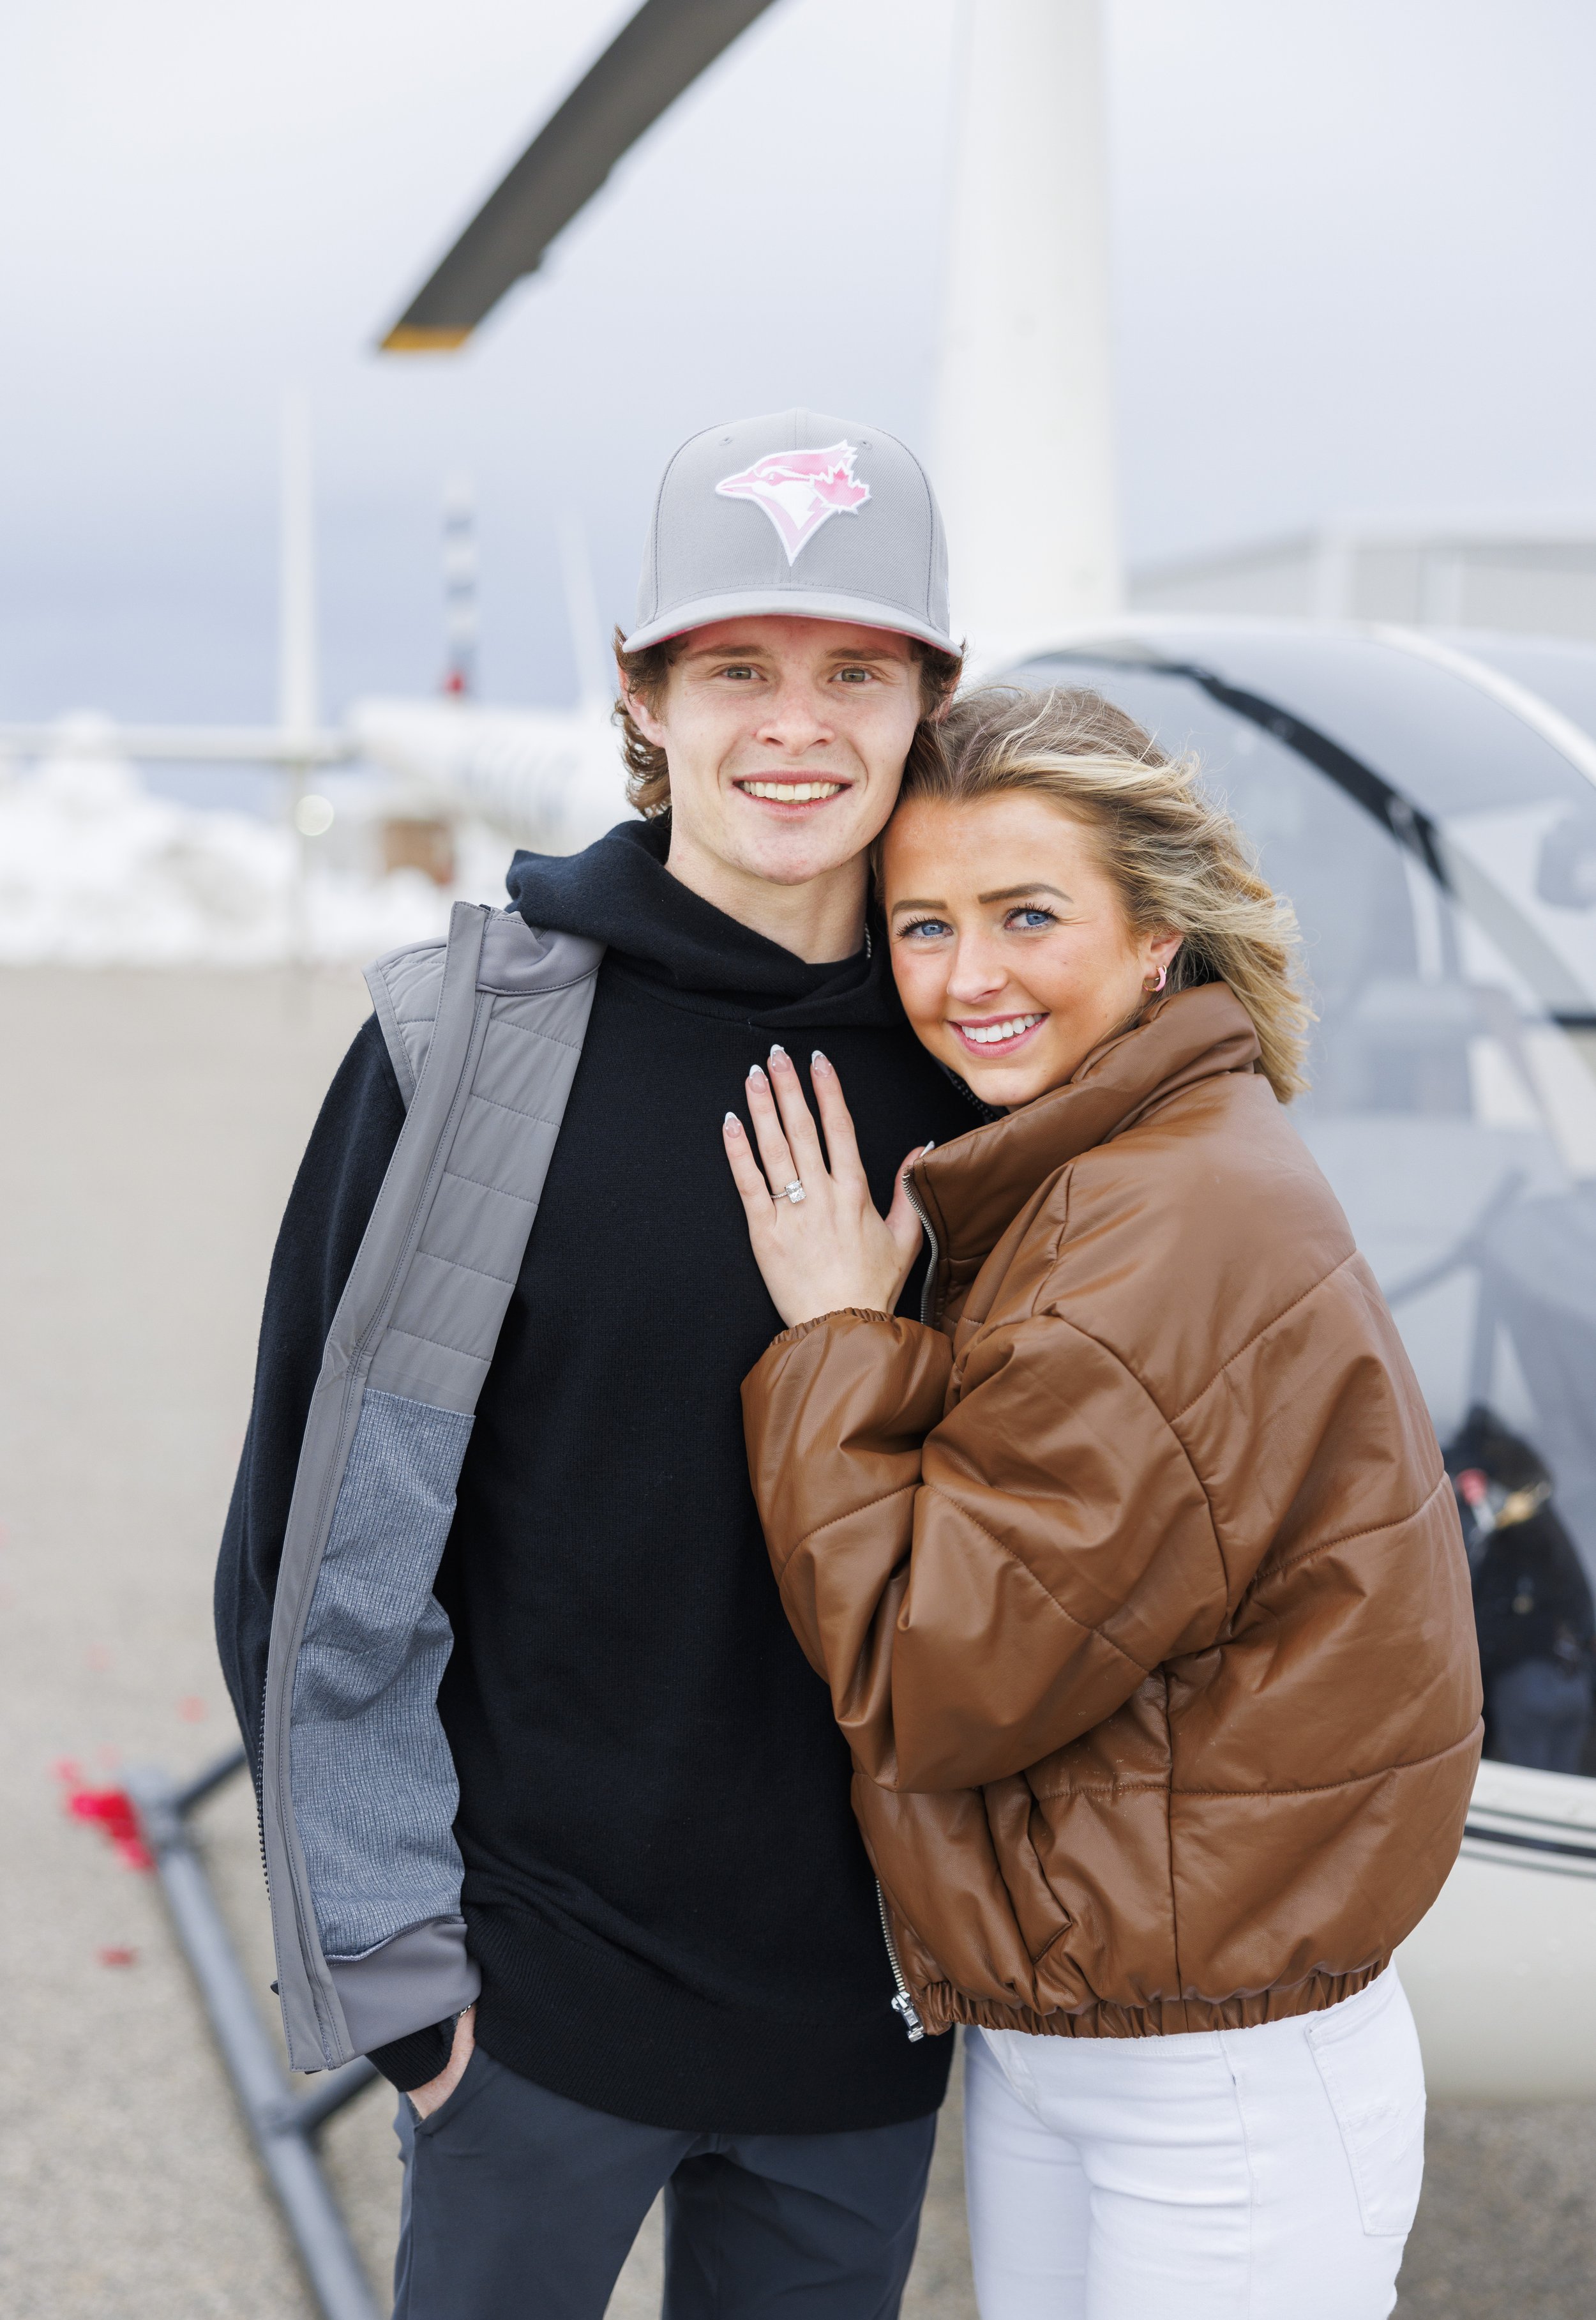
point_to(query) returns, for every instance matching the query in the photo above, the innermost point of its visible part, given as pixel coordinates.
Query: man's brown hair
(646, 675)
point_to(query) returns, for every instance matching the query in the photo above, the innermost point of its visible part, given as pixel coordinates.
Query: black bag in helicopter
(1533, 1609)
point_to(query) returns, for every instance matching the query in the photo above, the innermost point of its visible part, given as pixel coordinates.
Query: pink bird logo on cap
(800, 491)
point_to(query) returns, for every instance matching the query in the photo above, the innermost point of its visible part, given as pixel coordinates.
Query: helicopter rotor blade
(654, 57)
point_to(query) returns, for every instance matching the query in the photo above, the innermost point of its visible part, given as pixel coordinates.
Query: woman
(1132, 1569)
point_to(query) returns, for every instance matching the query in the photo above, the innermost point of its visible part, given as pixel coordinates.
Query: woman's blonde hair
(1178, 858)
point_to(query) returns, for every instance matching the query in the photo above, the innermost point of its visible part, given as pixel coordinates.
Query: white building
(1535, 575)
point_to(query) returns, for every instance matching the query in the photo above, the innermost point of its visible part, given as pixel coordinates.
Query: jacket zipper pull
(904, 2005)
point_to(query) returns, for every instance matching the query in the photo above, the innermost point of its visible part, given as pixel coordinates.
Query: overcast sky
(1353, 245)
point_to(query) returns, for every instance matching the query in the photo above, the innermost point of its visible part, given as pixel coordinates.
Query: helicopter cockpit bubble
(1441, 854)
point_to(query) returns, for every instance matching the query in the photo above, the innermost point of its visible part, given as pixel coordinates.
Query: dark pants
(520, 2205)
(1539, 1712)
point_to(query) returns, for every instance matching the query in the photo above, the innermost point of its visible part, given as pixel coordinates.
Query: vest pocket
(1367, 2052)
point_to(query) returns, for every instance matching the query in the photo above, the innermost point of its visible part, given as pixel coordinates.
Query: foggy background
(1351, 267)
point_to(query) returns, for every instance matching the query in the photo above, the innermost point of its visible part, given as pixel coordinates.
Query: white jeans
(1261, 2174)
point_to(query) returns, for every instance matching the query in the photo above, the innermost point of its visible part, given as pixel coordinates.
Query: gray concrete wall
(1526, 588)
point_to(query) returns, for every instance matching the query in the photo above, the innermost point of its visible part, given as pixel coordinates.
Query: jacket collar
(972, 1189)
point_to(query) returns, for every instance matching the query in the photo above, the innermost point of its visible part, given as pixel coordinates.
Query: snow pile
(95, 871)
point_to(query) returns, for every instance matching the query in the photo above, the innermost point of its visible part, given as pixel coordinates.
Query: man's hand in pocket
(437, 2092)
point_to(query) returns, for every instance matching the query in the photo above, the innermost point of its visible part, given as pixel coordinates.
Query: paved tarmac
(152, 1125)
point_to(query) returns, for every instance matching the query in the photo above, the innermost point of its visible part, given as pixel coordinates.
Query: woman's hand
(829, 1248)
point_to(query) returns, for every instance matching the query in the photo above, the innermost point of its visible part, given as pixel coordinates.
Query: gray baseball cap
(818, 517)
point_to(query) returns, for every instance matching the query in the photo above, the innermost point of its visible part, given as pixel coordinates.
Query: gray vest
(358, 1792)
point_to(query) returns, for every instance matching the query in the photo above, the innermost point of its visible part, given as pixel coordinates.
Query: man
(585, 1769)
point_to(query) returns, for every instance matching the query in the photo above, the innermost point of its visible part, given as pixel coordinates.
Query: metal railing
(282, 2124)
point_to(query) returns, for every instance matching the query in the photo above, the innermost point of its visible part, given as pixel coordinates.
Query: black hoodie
(664, 1888)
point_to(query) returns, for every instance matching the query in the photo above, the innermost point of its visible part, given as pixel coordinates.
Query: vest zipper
(261, 1799)
(903, 2005)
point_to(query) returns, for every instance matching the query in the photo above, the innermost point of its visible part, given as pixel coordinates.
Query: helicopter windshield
(1436, 849)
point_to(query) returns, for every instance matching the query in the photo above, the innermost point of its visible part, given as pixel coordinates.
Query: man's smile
(791, 790)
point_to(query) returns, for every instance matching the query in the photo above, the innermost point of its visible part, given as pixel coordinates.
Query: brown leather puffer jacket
(1143, 1602)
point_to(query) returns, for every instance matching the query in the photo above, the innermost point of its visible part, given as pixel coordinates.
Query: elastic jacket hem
(941, 2006)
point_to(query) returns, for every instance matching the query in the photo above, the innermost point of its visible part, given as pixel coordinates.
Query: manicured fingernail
(732, 1124)
(819, 1063)
(778, 1051)
(755, 1072)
